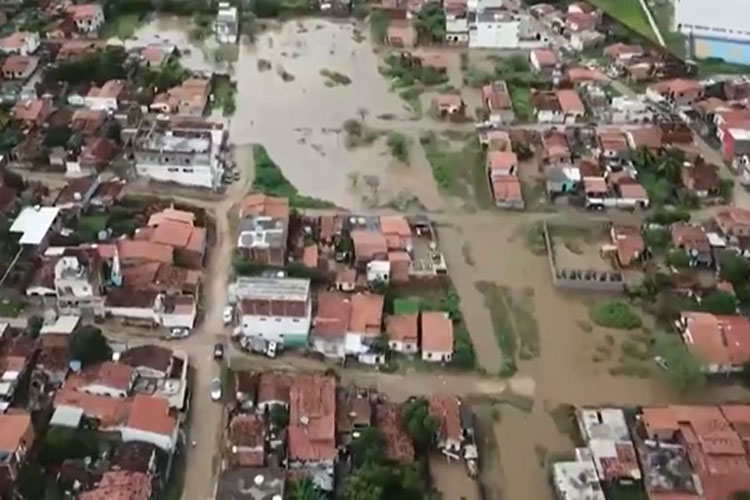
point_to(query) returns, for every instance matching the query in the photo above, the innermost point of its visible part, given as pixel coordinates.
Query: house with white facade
(89, 17)
(494, 29)
(226, 26)
(186, 154)
(625, 109)
(274, 309)
(78, 285)
(105, 97)
(21, 42)
(456, 22)
(403, 333)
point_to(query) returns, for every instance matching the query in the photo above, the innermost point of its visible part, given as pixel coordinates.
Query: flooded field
(286, 104)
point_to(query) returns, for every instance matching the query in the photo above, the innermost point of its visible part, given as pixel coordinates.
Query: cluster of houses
(353, 259)
(137, 400)
(687, 452)
(284, 426)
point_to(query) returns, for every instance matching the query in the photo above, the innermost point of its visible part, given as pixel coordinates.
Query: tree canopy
(418, 422)
(430, 21)
(718, 302)
(101, 67)
(89, 346)
(684, 369)
(304, 489)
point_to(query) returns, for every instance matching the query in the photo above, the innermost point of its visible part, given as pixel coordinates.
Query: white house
(78, 286)
(105, 97)
(456, 23)
(20, 42)
(493, 29)
(437, 337)
(226, 26)
(403, 333)
(176, 311)
(630, 110)
(89, 17)
(577, 480)
(274, 309)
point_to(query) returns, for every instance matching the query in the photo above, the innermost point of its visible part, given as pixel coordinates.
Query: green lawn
(629, 13)
(406, 306)
(10, 308)
(459, 172)
(122, 27)
(520, 96)
(91, 225)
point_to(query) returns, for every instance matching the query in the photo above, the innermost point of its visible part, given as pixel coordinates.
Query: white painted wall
(194, 175)
(437, 356)
(164, 442)
(495, 34)
(275, 327)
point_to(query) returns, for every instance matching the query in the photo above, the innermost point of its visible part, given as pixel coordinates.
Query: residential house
(133, 252)
(501, 163)
(701, 179)
(274, 309)
(578, 479)
(734, 222)
(312, 428)
(273, 390)
(34, 225)
(107, 97)
(620, 52)
(449, 106)
(21, 42)
(624, 109)
(245, 483)
(149, 421)
(183, 153)
(389, 422)
(32, 112)
(446, 409)
(16, 439)
(53, 359)
(87, 121)
(177, 229)
(18, 67)
(547, 107)
(562, 179)
(353, 412)
(368, 246)
(150, 361)
(607, 437)
(577, 22)
(571, 105)
(693, 240)
(246, 441)
(612, 145)
(403, 332)
(543, 60)
(110, 379)
(630, 244)
(347, 325)
(494, 29)
(79, 284)
(722, 343)
(89, 17)
(123, 484)
(401, 34)
(555, 147)
(397, 233)
(437, 336)
(262, 230)
(246, 389)
(456, 22)
(226, 25)
(497, 102)
(596, 191)
(135, 457)
(586, 40)
(154, 55)
(187, 99)
(506, 190)
(680, 92)
(582, 75)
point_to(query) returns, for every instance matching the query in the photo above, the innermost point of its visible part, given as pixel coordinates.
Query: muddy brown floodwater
(299, 120)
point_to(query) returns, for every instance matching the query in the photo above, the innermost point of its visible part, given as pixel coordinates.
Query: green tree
(368, 447)
(60, 444)
(677, 258)
(657, 239)
(418, 422)
(278, 415)
(684, 369)
(733, 268)
(57, 136)
(368, 483)
(88, 345)
(718, 302)
(615, 314)
(304, 489)
(31, 481)
(399, 146)
(379, 25)
(430, 21)
(34, 326)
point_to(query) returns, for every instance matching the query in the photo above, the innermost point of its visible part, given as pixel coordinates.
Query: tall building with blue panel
(715, 28)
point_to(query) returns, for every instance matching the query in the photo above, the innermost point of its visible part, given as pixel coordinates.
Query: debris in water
(386, 116)
(357, 36)
(264, 65)
(284, 74)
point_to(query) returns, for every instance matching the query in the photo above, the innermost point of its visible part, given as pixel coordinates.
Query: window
(295, 320)
(173, 169)
(187, 170)
(278, 320)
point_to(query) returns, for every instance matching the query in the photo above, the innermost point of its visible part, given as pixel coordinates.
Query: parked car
(178, 333)
(219, 351)
(216, 389)
(228, 315)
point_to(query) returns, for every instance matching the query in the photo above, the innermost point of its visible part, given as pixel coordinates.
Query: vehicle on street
(216, 389)
(228, 315)
(178, 333)
(219, 351)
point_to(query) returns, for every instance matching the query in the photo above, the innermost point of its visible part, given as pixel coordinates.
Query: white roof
(63, 324)
(604, 423)
(290, 289)
(34, 222)
(67, 416)
(577, 481)
(716, 240)
(740, 134)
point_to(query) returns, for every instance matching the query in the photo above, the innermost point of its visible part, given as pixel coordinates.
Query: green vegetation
(418, 422)
(57, 136)
(534, 238)
(270, 180)
(615, 314)
(88, 345)
(501, 322)
(398, 144)
(718, 302)
(684, 370)
(10, 308)
(122, 27)
(657, 239)
(661, 176)
(169, 75)
(629, 13)
(430, 22)
(411, 96)
(305, 489)
(408, 305)
(223, 94)
(379, 25)
(461, 172)
(520, 96)
(715, 66)
(99, 68)
(89, 226)
(61, 443)
(678, 258)
(334, 78)
(403, 72)
(359, 134)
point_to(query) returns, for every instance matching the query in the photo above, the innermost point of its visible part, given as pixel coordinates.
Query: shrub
(615, 314)
(399, 145)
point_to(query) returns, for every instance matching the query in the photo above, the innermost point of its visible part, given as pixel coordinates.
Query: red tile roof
(398, 445)
(437, 332)
(367, 313)
(32, 111)
(368, 244)
(633, 190)
(629, 242)
(617, 50)
(110, 89)
(144, 250)
(402, 327)
(13, 427)
(332, 318)
(121, 485)
(545, 57)
(172, 215)
(496, 96)
(501, 160)
(446, 409)
(721, 340)
(109, 411)
(595, 185)
(16, 63)
(312, 418)
(690, 237)
(247, 431)
(151, 414)
(570, 102)
(579, 74)
(274, 387)
(507, 188)
(109, 374)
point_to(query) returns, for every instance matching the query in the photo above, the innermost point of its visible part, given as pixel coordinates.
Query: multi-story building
(186, 154)
(226, 27)
(79, 285)
(274, 309)
(714, 29)
(89, 18)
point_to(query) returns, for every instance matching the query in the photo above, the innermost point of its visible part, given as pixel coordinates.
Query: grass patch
(334, 78)
(11, 308)
(223, 95)
(409, 305)
(520, 96)
(629, 13)
(534, 239)
(527, 328)
(716, 66)
(459, 173)
(504, 334)
(123, 26)
(615, 314)
(270, 180)
(89, 226)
